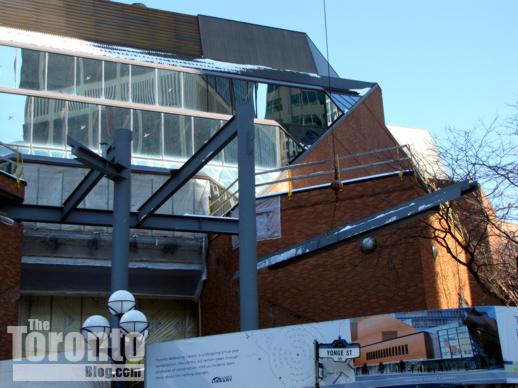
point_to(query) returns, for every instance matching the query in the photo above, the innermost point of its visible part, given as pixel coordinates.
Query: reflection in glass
(83, 123)
(116, 81)
(60, 73)
(49, 122)
(332, 111)
(218, 95)
(203, 130)
(89, 76)
(15, 118)
(177, 137)
(147, 133)
(195, 92)
(230, 153)
(32, 70)
(169, 88)
(302, 112)
(266, 150)
(113, 118)
(243, 91)
(143, 84)
(9, 66)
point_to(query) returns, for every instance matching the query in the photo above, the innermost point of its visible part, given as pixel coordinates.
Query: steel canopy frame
(417, 206)
(95, 217)
(117, 167)
(87, 183)
(195, 163)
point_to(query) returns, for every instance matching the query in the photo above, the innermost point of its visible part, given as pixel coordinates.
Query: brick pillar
(10, 268)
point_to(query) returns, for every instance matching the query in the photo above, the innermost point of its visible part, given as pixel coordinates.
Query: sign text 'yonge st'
(339, 354)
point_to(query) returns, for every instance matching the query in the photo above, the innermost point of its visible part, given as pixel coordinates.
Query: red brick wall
(10, 270)
(401, 275)
(336, 283)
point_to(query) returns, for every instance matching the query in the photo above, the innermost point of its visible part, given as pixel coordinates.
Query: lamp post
(125, 318)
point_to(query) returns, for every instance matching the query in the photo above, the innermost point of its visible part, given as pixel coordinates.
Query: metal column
(121, 211)
(248, 298)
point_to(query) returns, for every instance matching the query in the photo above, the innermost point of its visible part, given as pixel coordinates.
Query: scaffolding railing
(384, 159)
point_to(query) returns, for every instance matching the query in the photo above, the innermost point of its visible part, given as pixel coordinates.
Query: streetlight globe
(121, 302)
(134, 321)
(95, 325)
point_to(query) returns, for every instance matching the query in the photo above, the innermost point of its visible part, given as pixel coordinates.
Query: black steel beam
(378, 220)
(83, 188)
(93, 217)
(80, 192)
(95, 161)
(195, 163)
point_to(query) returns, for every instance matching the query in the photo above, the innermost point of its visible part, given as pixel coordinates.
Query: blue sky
(440, 63)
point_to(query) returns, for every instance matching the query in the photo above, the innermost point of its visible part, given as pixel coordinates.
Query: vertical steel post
(121, 211)
(248, 298)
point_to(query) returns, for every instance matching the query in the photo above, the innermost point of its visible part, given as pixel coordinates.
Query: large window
(305, 113)
(43, 124)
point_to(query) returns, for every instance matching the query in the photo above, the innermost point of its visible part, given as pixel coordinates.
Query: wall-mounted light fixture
(368, 244)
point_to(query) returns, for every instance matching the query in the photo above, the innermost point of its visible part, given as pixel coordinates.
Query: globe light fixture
(134, 321)
(95, 325)
(120, 302)
(95, 329)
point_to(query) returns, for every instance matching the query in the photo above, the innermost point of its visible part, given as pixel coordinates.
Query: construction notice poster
(477, 345)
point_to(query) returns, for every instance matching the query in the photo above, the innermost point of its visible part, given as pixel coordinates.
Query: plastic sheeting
(268, 220)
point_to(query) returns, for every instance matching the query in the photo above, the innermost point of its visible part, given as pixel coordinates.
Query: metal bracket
(91, 159)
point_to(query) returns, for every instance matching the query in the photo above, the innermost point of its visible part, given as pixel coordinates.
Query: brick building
(81, 69)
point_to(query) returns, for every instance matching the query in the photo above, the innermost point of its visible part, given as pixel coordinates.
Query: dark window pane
(195, 92)
(332, 111)
(243, 91)
(219, 95)
(230, 153)
(147, 133)
(83, 123)
(203, 130)
(301, 112)
(169, 88)
(116, 81)
(89, 77)
(177, 137)
(32, 70)
(113, 118)
(266, 146)
(143, 84)
(60, 73)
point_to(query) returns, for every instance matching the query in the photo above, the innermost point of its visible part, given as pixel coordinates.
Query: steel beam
(95, 161)
(248, 295)
(378, 220)
(121, 211)
(82, 189)
(94, 217)
(195, 163)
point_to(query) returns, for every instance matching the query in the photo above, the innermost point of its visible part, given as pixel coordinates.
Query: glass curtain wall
(40, 125)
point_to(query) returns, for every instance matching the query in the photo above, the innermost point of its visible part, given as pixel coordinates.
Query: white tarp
(268, 220)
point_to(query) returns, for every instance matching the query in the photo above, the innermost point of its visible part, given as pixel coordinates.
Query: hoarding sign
(477, 345)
